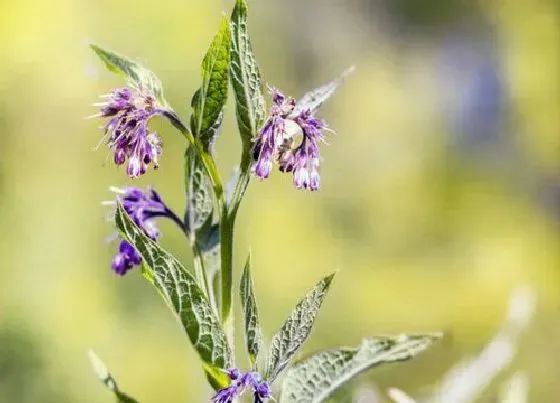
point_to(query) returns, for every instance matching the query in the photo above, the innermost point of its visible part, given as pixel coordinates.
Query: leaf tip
(98, 366)
(330, 277)
(248, 261)
(348, 71)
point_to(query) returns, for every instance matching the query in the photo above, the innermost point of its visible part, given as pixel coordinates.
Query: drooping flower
(128, 111)
(142, 207)
(240, 383)
(125, 259)
(277, 141)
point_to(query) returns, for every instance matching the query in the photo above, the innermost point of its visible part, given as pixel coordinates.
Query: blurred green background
(441, 191)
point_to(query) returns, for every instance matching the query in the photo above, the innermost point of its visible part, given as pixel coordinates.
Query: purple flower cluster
(143, 207)
(277, 142)
(126, 130)
(241, 382)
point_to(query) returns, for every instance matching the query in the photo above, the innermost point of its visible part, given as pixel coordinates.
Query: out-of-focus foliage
(440, 191)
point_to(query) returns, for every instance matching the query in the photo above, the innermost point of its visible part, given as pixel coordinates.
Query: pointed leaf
(208, 102)
(314, 99)
(245, 77)
(181, 292)
(105, 376)
(253, 334)
(314, 379)
(136, 75)
(296, 329)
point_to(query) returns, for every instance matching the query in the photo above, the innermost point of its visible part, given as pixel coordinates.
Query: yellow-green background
(425, 238)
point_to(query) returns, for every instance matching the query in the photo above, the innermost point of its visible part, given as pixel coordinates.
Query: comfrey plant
(288, 134)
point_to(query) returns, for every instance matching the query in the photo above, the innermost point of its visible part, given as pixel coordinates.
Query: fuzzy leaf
(105, 376)
(200, 202)
(314, 99)
(314, 379)
(245, 77)
(296, 329)
(136, 76)
(231, 184)
(182, 294)
(253, 333)
(208, 102)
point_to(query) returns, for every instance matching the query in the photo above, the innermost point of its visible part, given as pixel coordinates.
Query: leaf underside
(136, 75)
(314, 99)
(253, 333)
(314, 379)
(291, 336)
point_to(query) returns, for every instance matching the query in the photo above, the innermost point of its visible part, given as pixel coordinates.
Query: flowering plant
(289, 135)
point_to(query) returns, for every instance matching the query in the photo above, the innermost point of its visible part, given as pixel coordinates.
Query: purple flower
(142, 207)
(125, 259)
(276, 142)
(126, 131)
(240, 383)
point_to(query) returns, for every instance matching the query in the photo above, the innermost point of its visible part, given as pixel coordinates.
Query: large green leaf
(137, 76)
(245, 77)
(183, 295)
(314, 379)
(253, 333)
(105, 376)
(296, 329)
(314, 99)
(208, 102)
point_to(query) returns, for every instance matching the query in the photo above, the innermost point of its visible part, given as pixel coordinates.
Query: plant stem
(227, 227)
(226, 266)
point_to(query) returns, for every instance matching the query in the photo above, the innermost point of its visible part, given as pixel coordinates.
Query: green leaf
(137, 76)
(314, 379)
(296, 329)
(253, 333)
(200, 201)
(314, 99)
(105, 376)
(208, 102)
(231, 185)
(182, 294)
(245, 77)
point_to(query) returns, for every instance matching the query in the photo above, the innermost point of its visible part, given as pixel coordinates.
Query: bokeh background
(441, 191)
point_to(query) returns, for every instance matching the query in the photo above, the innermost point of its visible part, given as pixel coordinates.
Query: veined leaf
(245, 77)
(253, 333)
(314, 379)
(314, 99)
(200, 202)
(105, 376)
(137, 76)
(208, 102)
(181, 292)
(296, 329)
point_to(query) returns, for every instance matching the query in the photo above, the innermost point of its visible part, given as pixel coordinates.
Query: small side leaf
(314, 99)
(200, 202)
(105, 376)
(296, 329)
(137, 76)
(208, 102)
(245, 77)
(253, 333)
(314, 379)
(181, 292)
